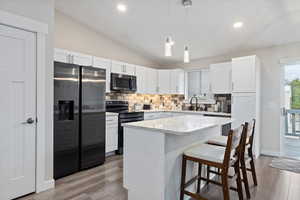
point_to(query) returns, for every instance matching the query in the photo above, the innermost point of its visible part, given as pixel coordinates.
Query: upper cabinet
(122, 68)
(103, 64)
(151, 81)
(141, 79)
(205, 86)
(164, 81)
(245, 74)
(81, 59)
(61, 55)
(177, 81)
(65, 56)
(220, 78)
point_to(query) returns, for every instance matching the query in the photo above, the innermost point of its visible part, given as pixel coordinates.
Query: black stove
(125, 116)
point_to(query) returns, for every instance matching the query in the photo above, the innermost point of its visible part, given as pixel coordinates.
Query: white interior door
(17, 112)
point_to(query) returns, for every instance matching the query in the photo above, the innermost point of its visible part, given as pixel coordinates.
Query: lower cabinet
(111, 133)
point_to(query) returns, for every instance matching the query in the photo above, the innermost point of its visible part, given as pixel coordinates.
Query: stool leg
(252, 165)
(225, 185)
(183, 176)
(245, 178)
(238, 181)
(207, 174)
(199, 180)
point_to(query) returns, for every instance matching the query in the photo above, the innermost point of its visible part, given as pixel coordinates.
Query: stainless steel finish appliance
(79, 118)
(123, 83)
(125, 116)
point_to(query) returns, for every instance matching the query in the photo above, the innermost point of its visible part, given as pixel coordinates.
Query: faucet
(191, 101)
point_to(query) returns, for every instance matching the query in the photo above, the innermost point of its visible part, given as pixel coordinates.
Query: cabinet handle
(72, 59)
(232, 86)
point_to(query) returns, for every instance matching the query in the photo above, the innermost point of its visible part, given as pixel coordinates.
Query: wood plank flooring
(105, 183)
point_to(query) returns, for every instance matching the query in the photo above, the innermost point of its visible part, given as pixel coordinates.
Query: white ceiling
(209, 32)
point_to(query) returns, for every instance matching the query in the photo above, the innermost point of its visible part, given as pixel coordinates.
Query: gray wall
(43, 11)
(270, 91)
(74, 36)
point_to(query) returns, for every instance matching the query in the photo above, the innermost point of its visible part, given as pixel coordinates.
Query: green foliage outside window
(295, 89)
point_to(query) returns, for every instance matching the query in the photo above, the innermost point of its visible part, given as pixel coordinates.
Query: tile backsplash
(166, 102)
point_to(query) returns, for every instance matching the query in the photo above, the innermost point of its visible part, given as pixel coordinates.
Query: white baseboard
(49, 184)
(270, 153)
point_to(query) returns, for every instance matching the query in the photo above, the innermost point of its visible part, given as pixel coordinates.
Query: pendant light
(186, 54)
(168, 47)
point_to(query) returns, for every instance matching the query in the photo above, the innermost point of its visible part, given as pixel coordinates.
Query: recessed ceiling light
(122, 7)
(238, 25)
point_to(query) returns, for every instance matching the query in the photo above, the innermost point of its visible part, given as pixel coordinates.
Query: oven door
(120, 82)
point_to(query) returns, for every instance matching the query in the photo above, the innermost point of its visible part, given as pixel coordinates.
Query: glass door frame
(283, 63)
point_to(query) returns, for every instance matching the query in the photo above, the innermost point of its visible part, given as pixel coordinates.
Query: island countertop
(180, 125)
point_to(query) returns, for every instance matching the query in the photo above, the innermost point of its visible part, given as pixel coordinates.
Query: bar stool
(218, 157)
(219, 141)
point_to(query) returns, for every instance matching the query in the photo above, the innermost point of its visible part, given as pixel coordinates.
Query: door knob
(29, 121)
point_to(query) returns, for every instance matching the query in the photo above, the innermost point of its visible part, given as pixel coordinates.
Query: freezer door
(66, 119)
(243, 108)
(92, 117)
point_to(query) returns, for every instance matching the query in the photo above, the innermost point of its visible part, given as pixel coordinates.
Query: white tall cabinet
(246, 94)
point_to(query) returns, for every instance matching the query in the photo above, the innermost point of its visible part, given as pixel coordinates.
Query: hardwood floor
(105, 183)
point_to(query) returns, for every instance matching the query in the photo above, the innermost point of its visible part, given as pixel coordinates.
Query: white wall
(43, 11)
(270, 105)
(74, 36)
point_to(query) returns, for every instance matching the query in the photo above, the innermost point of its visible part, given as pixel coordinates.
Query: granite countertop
(180, 125)
(190, 112)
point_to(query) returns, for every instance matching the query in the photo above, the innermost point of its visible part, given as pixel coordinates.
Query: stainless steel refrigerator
(79, 118)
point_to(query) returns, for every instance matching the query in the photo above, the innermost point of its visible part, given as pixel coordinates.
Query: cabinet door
(129, 69)
(151, 81)
(220, 78)
(117, 67)
(164, 81)
(177, 81)
(111, 134)
(103, 64)
(82, 59)
(61, 55)
(243, 74)
(141, 76)
(205, 82)
(243, 108)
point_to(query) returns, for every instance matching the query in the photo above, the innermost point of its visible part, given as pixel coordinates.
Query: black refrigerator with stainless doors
(79, 118)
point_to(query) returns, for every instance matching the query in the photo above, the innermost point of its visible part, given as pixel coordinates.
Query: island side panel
(144, 164)
(174, 148)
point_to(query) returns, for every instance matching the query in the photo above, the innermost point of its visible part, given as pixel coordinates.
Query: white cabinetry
(205, 81)
(141, 77)
(244, 71)
(151, 79)
(111, 133)
(246, 94)
(164, 81)
(122, 68)
(177, 81)
(61, 55)
(103, 64)
(65, 56)
(220, 78)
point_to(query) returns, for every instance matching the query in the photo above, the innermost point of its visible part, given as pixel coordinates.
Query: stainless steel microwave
(122, 83)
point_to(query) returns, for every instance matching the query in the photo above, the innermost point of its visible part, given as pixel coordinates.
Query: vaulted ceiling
(209, 31)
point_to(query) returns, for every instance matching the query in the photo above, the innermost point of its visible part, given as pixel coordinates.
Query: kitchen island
(153, 151)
